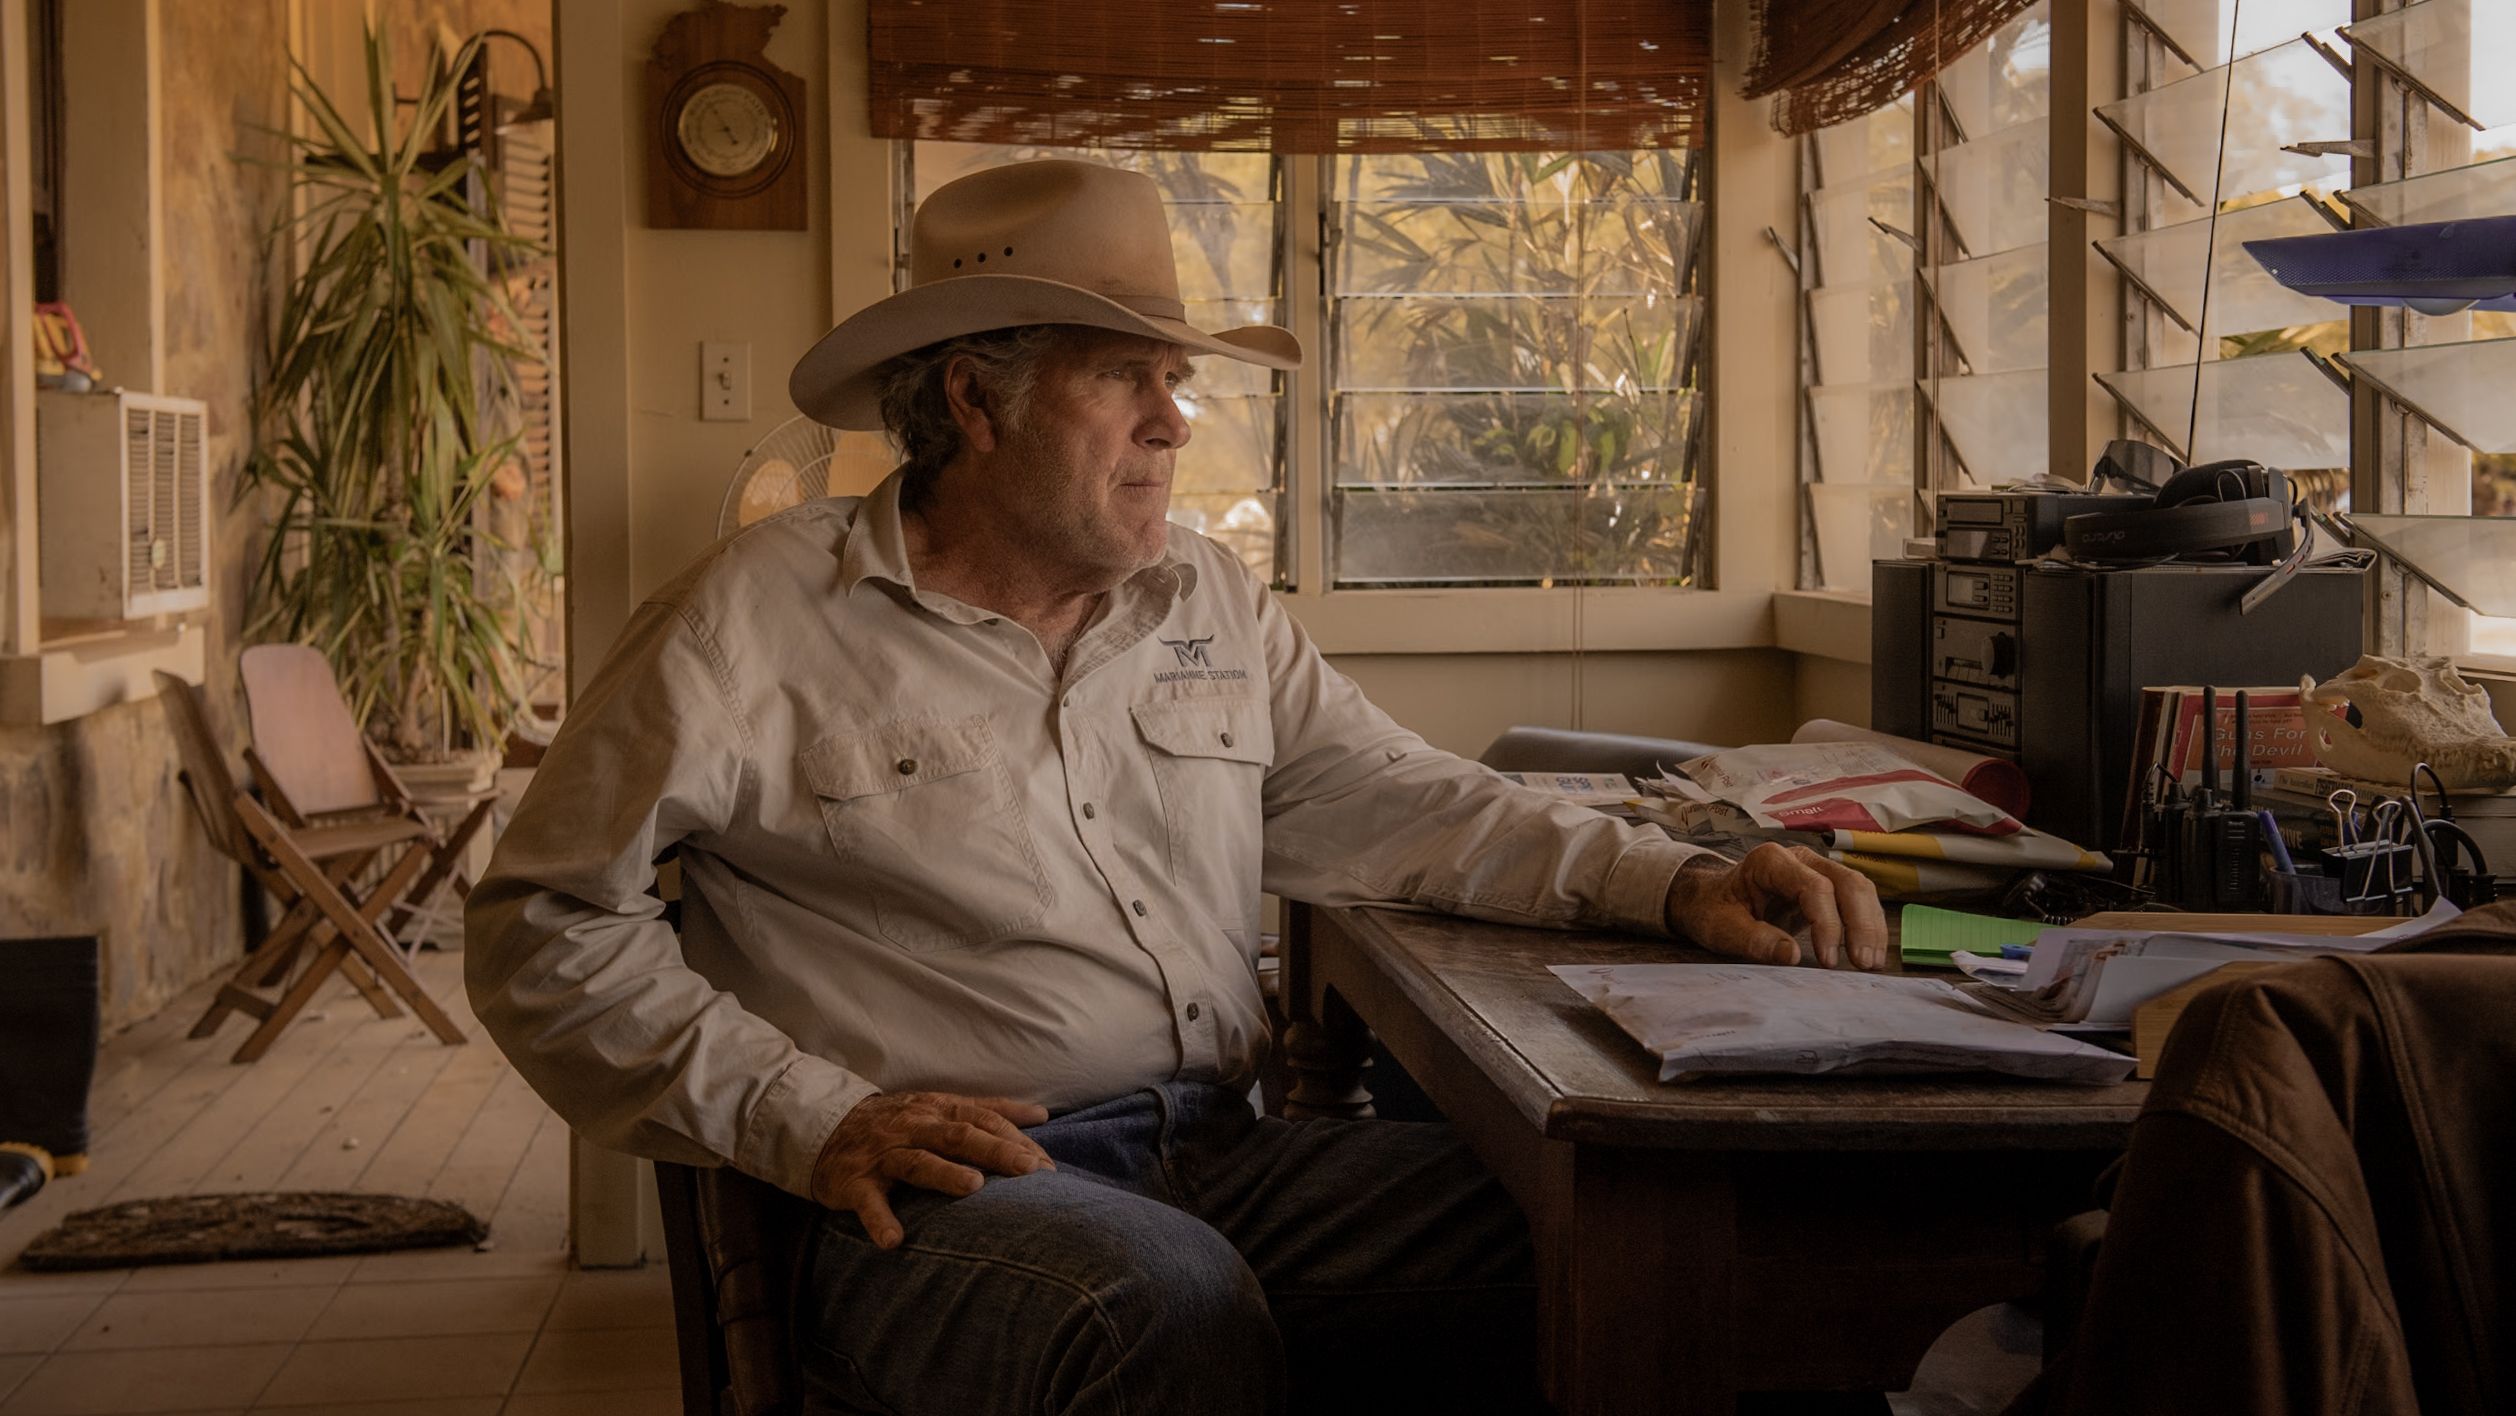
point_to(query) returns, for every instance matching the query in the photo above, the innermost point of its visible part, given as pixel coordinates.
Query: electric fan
(798, 461)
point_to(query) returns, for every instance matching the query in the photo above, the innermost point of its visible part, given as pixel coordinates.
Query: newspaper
(1706, 1019)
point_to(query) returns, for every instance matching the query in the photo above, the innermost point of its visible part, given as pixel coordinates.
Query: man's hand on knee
(1750, 910)
(920, 1138)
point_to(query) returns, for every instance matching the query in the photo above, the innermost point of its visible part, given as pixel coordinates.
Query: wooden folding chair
(314, 767)
(309, 869)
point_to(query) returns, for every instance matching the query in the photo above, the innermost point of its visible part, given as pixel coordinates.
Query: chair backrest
(205, 773)
(736, 1248)
(303, 731)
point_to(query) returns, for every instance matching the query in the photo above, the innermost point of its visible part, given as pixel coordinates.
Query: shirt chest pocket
(1210, 758)
(926, 819)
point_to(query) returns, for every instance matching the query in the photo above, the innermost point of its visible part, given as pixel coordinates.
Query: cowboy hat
(1050, 242)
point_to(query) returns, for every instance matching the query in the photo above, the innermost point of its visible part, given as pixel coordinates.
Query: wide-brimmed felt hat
(1049, 242)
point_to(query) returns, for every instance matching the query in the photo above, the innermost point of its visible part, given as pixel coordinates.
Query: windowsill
(73, 675)
(1533, 621)
(1830, 624)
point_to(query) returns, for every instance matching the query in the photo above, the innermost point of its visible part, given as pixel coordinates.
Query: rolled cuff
(793, 1120)
(1637, 892)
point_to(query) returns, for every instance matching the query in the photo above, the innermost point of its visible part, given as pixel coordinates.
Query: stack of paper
(1702, 1019)
(2092, 979)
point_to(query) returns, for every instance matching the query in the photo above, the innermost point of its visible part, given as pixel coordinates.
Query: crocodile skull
(2410, 711)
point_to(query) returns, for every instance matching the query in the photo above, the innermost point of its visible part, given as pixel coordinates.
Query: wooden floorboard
(171, 1115)
(194, 1149)
(405, 1160)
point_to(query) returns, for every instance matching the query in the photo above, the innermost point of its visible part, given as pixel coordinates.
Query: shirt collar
(876, 548)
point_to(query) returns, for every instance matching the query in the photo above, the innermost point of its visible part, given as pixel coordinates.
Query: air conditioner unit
(123, 503)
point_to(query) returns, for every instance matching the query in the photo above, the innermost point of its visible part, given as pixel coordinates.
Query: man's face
(1089, 463)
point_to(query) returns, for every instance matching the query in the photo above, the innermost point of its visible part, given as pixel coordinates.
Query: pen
(2241, 791)
(2271, 841)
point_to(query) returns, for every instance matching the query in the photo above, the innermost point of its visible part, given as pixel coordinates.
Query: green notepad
(1931, 935)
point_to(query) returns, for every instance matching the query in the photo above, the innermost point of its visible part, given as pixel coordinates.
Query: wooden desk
(1702, 1239)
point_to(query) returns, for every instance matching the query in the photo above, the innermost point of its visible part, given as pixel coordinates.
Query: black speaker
(1900, 647)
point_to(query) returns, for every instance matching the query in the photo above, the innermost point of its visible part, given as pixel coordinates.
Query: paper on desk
(2097, 978)
(1747, 1018)
(1579, 788)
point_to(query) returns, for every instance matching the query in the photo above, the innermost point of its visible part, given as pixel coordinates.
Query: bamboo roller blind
(1835, 60)
(1295, 76)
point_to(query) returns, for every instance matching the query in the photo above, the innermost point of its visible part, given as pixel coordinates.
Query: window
(1503, 385)
(1514, 355)
(1928, 213)
(2244, 368)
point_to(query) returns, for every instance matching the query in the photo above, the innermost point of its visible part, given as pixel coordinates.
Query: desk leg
(1327, 1060)
(1636, 1283)
(1326, 1047)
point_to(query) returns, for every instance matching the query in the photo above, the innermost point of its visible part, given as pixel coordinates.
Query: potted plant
(387, 419)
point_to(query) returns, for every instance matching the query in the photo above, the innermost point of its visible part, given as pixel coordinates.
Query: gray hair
(917, 413)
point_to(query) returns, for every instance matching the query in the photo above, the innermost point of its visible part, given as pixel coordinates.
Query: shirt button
(1139, 906)
(907, 766)
(1227, 739)
(1192, 1012)
(1087, 811)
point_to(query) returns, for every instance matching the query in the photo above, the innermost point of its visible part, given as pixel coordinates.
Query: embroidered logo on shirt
(1191, 652)
(1194, 664)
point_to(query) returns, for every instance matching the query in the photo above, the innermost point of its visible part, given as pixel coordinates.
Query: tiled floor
(344, 1100)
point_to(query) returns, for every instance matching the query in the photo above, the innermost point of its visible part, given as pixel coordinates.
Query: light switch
(724, 383)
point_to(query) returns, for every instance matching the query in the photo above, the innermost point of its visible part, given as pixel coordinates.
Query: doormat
(204, 1229)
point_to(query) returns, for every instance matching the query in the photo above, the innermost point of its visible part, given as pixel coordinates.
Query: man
(975, 784)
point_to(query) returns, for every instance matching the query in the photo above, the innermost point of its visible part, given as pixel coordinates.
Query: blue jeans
(1186, 1257)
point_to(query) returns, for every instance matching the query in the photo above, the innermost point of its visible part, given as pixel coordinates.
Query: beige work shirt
(914, 857)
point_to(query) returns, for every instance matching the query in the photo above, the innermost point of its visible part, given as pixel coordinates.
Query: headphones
(2237, 510)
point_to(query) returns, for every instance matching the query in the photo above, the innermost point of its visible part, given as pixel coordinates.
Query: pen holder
(2306, 893)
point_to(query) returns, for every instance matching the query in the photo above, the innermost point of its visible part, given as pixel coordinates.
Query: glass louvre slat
(2452, 48)
(1549, 535)
(1502, 439)
(1993, 188)
(1858, 523)
(2483, 189)
(1995, 308)
(1997, 422)
(2244, 298)
(1231, 442)
(1664, 174)
(2274, 408)
(2201, 27)
(1523, 343)
(1634, 247)
(1852, 251)
(1849, 152)
(2469, 388)
(2007, 79)
(1864, 333)
(1864, 432)
(2474, 554)
(1244, 523)
(2285, 95)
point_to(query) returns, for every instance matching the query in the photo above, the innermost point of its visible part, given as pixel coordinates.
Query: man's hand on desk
(1749, 910)
(919, 1138)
